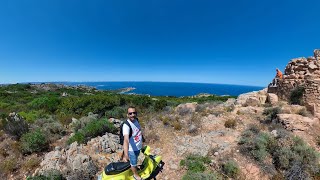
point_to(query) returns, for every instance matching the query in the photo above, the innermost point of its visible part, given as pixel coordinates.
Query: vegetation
(8, 165)
(21, 98)
(230, 123)
(31, 163)
(296, 95)
(34, 141)
(14, 127)
(231, 169)
(195, 163)
(289, 153)
(45, 115)
(50, 175)
(271, 113)
(91, 130)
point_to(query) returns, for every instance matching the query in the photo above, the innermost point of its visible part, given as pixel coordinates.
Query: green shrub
(34, 141)
(200, 176)
(47, 103)
(160, 104)
(296, 95)
(77, 137)
(116, 112)
(50, 175)
(290, 154)
(91, 130)
(33, 115)
(271, 113)
(142, 101)
(283, 157)
(15, 126)
(195, 163)
(4, 105)
(230, 123)
(97, 104)
(51, 128)
(231, 169)
(255, 144)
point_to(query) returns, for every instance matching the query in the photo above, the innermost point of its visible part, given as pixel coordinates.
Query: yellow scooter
(150, 168)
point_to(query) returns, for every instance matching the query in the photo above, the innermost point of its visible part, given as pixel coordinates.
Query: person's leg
(133, 156)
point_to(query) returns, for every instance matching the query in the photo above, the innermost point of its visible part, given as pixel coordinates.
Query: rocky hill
(268, 134)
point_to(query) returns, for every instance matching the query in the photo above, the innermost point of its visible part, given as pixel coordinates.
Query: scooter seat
(116, 168)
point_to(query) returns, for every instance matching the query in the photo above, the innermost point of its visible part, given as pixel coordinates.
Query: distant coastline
(177, 89)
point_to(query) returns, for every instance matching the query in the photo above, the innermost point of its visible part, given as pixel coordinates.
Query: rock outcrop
(82, 160)
(304, 73)
(295, 122)
(252, 98)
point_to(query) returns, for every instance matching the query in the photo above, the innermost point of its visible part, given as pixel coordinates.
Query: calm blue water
(172, 88)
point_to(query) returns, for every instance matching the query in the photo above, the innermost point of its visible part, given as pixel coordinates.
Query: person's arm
(126, 148)
(126, 131)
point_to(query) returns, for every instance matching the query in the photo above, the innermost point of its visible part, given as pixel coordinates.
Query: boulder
(272, 98)
(255, 98)
(295, 122)
(78, 160)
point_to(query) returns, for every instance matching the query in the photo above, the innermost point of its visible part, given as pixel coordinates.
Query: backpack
(130, 131)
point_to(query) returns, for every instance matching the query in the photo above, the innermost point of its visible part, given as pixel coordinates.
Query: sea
(177, 89)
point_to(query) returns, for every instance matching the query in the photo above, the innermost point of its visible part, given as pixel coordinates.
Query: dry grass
(31, 162)
(230, 123)
(176, 125)
(8, 165)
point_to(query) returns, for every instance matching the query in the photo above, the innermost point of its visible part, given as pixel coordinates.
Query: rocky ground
(203, 132)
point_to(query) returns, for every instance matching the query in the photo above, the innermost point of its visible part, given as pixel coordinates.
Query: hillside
(72, 132)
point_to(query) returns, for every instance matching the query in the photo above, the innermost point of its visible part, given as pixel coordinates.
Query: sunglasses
(130, 113)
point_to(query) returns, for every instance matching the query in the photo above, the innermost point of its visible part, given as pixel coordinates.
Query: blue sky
(213, 41)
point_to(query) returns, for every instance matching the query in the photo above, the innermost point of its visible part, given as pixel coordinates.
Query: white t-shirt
(135, 142)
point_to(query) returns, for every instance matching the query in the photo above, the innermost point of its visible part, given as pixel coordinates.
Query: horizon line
(129, 81)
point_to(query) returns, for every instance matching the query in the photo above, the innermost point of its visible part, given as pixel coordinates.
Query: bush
(304, 112)
(201, 108)
(34, 141)
(97, 104)
(49, 175)
(32, 116)
(31, 163)
(51, 128)
(200, 176)
(91, 130)
(141, 101)
(116, 112)
(160, 104)
(47, 103)
(255, 144)
(77, 137)
(177, 125)
(296, 95)
(290, 154)
(8, 165)
(183, 111)
(15, 126)
(231, 169)
(230, 123)
(271, 113)
(195, 163)
(165, 120)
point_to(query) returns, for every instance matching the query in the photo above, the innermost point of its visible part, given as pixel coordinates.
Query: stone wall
(301, 72)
